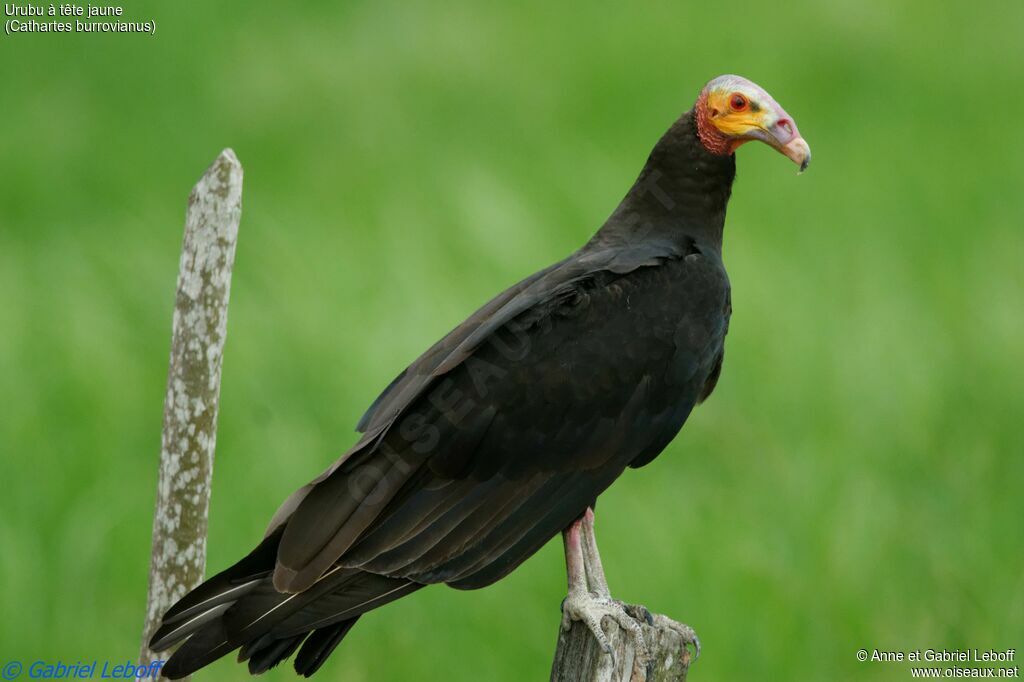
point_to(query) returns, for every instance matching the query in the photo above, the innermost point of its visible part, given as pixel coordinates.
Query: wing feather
(481, 455)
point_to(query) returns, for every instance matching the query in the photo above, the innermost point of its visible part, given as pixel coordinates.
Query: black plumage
(501, 434)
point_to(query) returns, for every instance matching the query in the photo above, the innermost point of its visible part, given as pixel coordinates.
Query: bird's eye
(738, 102)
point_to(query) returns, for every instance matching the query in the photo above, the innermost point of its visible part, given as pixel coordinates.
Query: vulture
(504, 433)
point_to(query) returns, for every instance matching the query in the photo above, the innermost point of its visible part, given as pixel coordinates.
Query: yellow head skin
(732, 110)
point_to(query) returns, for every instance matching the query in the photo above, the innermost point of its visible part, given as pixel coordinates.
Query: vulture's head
(732, 110)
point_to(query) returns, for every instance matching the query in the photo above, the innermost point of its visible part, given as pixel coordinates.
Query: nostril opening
(786, 125)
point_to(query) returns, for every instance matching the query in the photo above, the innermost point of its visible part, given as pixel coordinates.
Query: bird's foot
(687, 634)
(592, 609)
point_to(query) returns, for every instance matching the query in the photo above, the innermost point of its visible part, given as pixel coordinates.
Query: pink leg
(592, 558)
(575, 566)
(588, 599)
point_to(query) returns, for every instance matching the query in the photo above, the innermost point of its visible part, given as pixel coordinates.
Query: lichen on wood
(193, 389)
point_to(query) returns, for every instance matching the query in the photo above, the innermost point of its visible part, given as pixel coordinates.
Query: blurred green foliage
(854, 482)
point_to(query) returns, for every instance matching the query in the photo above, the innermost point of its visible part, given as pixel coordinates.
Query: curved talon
(687, 633)
(639, 612)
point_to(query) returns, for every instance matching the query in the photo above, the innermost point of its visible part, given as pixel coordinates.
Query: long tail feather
(269, 626)
(319, 645)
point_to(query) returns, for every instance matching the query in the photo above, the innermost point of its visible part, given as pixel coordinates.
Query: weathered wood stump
(579, 658)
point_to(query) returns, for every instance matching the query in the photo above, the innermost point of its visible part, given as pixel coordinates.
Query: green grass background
(856, 480)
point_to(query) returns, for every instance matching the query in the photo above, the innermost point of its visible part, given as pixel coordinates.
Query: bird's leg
(598, 586)
(588, 599)
(592, 557)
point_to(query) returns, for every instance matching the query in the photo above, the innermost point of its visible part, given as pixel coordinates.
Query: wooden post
(578, 657)
(193, 390)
